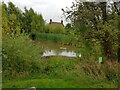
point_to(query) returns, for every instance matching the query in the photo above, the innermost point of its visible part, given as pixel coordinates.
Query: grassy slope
(43, 83)
(57, 83)
(61, 74)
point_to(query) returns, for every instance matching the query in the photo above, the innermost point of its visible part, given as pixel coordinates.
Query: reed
(59, 38)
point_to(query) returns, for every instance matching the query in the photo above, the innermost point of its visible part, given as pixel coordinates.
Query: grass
(51, 82)
(42, 83)
(58, 72)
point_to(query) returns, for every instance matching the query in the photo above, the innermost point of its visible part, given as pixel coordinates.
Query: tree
(5, 27)
(90, 20)
(27, 20)
(32, 22)
(10, 24)
(37, 24)
(16, 22)
(14, 16)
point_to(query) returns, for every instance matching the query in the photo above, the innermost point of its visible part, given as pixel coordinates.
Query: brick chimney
(50, 21)
(61, 21)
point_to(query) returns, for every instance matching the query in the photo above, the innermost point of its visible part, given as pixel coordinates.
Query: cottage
(56, 23)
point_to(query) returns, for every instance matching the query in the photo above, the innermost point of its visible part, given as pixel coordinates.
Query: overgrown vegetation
(20, 57)
(75, 69)
(93, 30)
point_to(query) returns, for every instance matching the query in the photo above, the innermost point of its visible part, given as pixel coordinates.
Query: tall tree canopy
(96, 21)
(15, 21)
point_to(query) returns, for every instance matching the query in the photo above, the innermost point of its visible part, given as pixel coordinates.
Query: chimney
(50, 21)
(61, 21)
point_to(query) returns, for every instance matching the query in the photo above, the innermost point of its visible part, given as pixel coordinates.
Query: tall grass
(104, 72)
(59, 38)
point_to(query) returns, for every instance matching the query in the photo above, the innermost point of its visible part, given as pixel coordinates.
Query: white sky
(50, 9)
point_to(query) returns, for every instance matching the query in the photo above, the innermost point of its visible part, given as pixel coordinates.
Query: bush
(47, 28)
(19, 56)
(58, 29)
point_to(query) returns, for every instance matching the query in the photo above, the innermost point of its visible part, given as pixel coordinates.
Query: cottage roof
(56, 23)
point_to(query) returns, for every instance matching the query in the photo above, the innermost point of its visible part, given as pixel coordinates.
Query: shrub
(19, 56)
(58, 29)
(47, 28)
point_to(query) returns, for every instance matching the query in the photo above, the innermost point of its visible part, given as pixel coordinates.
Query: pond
(49, 48)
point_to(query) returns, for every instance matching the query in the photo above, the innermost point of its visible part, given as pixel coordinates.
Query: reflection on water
(63, 53)
(49, 53)
(62, 48)
(68, 54)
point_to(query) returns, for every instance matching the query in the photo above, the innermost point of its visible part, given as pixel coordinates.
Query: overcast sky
(50, 9)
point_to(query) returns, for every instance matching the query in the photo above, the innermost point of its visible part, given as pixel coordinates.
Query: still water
(64, 53)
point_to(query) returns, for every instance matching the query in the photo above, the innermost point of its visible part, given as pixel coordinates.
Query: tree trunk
(106, 42)
(118, 53)
(107, 45)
